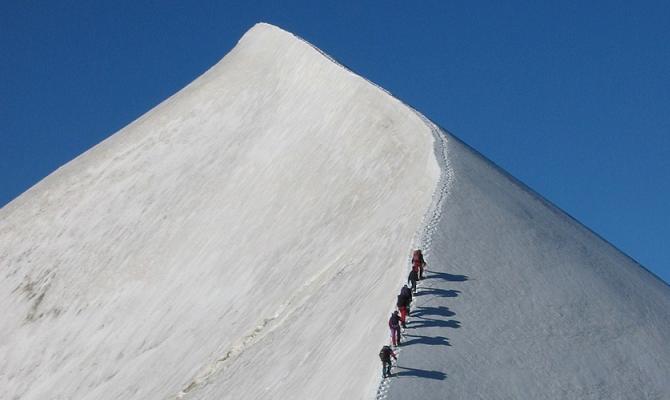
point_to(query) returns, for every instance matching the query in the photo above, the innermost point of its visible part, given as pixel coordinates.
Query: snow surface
(247, 237)
(242, 240)
(523, 302)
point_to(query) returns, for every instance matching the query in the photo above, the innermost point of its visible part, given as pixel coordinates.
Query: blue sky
(571, 98)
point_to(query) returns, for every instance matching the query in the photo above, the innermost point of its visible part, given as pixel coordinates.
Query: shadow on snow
(422, 322)
(427, 340)
(421, 373)
(445, 276)
(437, 292)
(440, 310)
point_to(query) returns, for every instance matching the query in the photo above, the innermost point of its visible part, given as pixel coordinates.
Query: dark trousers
(413, 282)
(395, 336)
(386, 368)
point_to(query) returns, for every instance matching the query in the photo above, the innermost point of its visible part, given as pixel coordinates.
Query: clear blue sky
(571, 97)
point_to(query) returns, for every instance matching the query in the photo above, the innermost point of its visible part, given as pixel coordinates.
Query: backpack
(417, 257)
(383, 354)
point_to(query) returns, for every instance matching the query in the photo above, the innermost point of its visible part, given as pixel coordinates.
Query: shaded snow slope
(523, 302)
(242, 240)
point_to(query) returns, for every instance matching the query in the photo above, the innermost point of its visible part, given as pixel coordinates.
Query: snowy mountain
(246, 238)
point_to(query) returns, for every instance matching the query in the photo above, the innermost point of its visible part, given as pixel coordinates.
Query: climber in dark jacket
(385, 355)
(403, 306)
(407, 292)
(412, 278)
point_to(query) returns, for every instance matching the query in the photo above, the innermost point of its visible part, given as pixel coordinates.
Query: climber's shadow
(423, 322)
(428, 274)
(427, 340)
(437, 292)
(421, 373)
(423, 311)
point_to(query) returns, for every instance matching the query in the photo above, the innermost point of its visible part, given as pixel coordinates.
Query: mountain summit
(246, 238)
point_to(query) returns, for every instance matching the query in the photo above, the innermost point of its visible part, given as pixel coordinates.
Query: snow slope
(523, 302)
(242, 240)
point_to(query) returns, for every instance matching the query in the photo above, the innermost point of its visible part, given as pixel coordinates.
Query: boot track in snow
(423, 237)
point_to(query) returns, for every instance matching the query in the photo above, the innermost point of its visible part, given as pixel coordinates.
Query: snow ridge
(423, 236)
(445, 183)
(349, 70)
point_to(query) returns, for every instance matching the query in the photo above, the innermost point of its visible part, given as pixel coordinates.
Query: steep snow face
(242, 240)
(523, 302)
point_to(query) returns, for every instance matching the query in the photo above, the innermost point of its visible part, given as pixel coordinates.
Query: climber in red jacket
(418, 263)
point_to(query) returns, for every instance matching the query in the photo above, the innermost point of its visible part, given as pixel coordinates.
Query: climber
(403, 307)
(407, 292)
(412, 278)
(385, 355)
(418, 262)
(394, 326)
